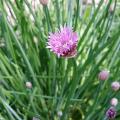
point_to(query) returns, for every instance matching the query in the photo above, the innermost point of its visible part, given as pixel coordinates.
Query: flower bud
(59, 113)
(103, 75)
(114, 101)
(115, 86)
(44, 2)
(111, 113)
(29, 85)
(35, 40)
(111, 9)
(2, 45)
(34, 118)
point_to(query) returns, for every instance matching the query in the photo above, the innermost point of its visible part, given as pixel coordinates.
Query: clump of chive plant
(64, 42)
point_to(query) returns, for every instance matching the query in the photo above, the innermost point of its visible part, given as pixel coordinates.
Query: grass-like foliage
(37, 84)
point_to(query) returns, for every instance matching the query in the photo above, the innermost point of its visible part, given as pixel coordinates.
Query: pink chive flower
(103, 75)
(44, 2)
(115, 85)
(114, 101)
(63, 42)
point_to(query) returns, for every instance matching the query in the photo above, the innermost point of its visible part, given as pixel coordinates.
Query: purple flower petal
(63, 43)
